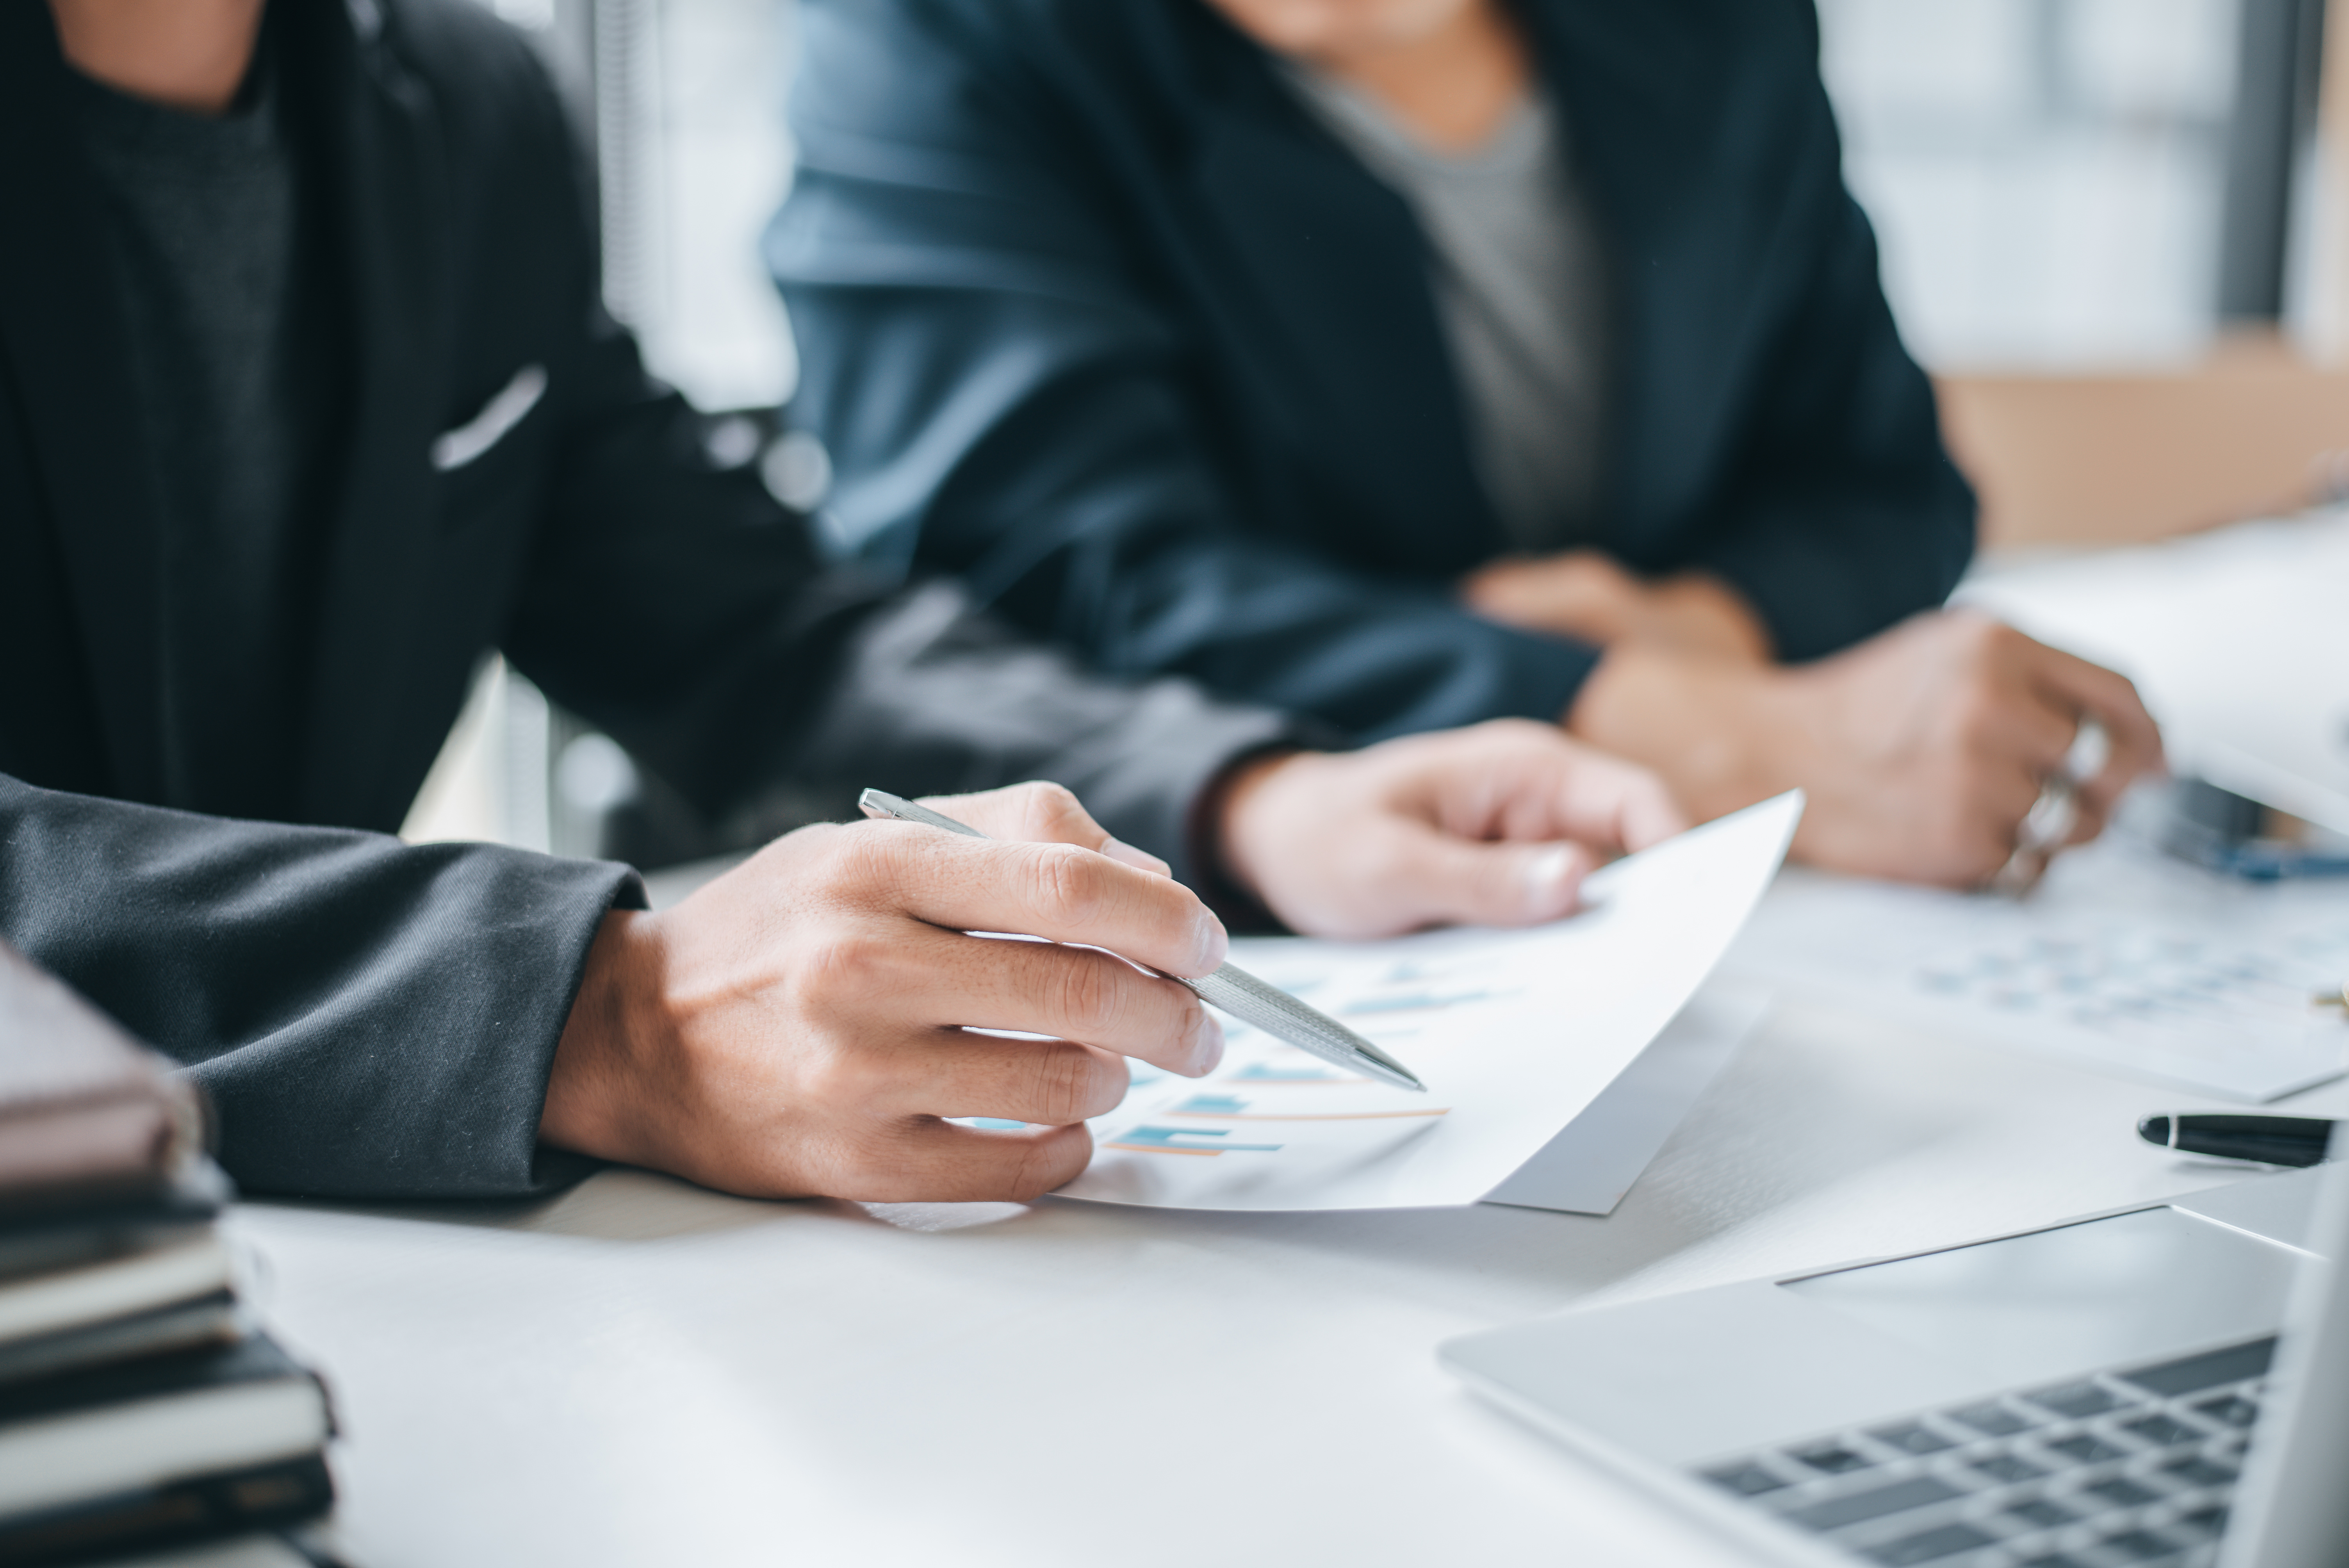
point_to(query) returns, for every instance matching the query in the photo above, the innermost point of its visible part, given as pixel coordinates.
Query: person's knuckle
(1046, 1163)
(1039, 810)
(2006, 648)
(858, 1161)
(1065, 1087)
(825, 848)
(846, 962)
(1068, 885)
(1052, 808)
(1088, 998)
(839, 1080)
(858, 862)
(1975, 716)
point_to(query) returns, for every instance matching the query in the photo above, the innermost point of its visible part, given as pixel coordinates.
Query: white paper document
(1590, 1165)
(1514, 1033)
(2126, 961)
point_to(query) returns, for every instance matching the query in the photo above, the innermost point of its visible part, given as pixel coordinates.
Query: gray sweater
(1516, 267)
(234, 368)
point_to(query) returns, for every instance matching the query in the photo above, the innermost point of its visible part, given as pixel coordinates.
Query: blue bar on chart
(1418, 1002)
(1169, 1140)
(1212, 1105)
(1257, 1072)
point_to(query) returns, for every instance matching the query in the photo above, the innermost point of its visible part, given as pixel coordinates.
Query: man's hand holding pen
(810, 1022)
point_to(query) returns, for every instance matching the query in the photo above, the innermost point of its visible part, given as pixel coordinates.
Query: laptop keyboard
(2131, 1468)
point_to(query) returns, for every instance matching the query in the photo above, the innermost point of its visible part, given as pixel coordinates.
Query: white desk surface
(641, 1372)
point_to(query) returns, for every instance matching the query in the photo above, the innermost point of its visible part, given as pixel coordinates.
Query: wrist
(1236, 858)
(1228, 858)
(615, 1032)
(1704, 615)
(1581, 593)
(1719, 732)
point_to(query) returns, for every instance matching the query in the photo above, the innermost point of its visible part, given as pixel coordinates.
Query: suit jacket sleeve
(992, 376)
(368, 1019)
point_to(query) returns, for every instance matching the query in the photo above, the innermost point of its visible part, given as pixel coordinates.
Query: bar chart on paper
(2125, 961)
(1198, 1141)
(1514, 1033)
(1306, 1074)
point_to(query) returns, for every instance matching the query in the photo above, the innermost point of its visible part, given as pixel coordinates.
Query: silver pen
(1233, 989)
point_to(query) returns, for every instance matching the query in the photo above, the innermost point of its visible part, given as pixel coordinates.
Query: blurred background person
(1409, 362)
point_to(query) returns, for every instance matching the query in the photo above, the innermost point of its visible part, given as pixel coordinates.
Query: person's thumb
(1465, 881)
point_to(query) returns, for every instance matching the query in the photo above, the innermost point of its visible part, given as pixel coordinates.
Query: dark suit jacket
(1091, 309)
(368, 1017)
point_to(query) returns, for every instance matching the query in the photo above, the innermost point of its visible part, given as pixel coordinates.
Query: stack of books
(139, 1411)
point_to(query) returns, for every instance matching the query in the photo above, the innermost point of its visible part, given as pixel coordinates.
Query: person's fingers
(2021, 872)
(1055, 890)
(2023, 725)
(1579, 591)
(1119, 850)
(2132, 738)
(2010, 777)
(1606, 800)
(939, 979)
(2089, 818)
(2003, 793)
(1436, 877)
(1514, 778)
(958, 1073)
(927, 1160)
(1041, 813)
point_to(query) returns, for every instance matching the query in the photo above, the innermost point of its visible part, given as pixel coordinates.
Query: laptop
(2086, 1396)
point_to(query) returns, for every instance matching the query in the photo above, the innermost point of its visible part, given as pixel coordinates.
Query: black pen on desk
(2296, 1141)
(1233, 989)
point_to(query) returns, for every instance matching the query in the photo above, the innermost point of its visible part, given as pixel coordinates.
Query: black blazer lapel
(1339, 266)
(67, 342)
(384, 159)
